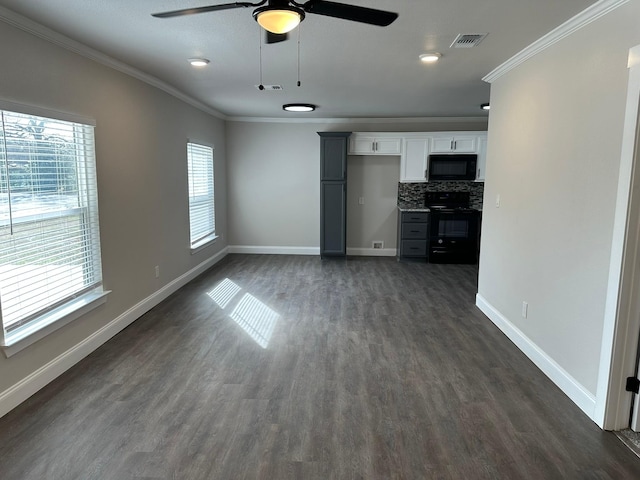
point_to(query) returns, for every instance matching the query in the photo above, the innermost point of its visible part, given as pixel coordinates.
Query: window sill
(28, 335)
(204, 243)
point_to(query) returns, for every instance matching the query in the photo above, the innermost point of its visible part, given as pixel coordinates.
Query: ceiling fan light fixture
(430, 57)
(485, 106)
(199, 62)
(278, 20)
(299, 107)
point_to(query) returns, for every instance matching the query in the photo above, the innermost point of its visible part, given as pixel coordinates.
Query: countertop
(409, 207)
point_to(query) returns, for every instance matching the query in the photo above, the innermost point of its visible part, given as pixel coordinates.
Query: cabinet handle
(375, 146)
(452, 147)
(455, 145)
(478, 173)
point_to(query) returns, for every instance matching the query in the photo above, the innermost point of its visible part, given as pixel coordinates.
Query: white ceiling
(348, 69)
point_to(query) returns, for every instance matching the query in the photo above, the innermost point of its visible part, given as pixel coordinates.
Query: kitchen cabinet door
(413, 161)
(388, 146)
(457, 144)
(361, 145)
(372, 145)
(333, 156)
(333, 219)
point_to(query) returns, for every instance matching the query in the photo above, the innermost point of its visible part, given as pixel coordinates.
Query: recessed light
(299, 107)
(430, 57)
(485, 106)
(199, 62)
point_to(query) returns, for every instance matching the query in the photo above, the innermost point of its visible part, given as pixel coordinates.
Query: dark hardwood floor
(289, 367)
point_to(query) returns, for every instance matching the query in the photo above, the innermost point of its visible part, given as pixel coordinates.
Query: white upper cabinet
(374, 145)
(413, 162)
(481, 166)
(414, 149)
(454, 144)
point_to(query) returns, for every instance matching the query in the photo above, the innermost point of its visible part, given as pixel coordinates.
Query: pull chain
(298, 55)
(261, 86)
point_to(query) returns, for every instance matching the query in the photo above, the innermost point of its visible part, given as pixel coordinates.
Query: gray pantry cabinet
(333, 193)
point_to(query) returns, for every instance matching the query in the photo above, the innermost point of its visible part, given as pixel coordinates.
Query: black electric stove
(453, 228)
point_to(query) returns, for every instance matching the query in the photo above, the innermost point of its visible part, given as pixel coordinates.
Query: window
(49, 238)
(202, 217)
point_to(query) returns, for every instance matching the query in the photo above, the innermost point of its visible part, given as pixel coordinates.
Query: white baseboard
(271, 250)
(585, 400)
(255, 250)
(372, 252)
(18, 393)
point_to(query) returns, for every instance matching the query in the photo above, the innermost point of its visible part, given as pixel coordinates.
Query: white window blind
(202, 219)
(49, 235)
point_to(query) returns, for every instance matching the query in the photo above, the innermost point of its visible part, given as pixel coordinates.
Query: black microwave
(452, 167)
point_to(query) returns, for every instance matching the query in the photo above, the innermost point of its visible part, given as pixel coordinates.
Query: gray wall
(554, 148)
(375, 178)
(274, 186)
(141, 138)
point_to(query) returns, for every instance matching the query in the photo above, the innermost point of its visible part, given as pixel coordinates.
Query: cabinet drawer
(415, 217)
(414, 248)
(414, 231)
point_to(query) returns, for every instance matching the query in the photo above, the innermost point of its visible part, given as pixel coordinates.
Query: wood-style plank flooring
(289, 367)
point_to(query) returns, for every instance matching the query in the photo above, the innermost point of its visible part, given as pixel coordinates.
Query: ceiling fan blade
(275, 37)
(210, 8)
(354, 13)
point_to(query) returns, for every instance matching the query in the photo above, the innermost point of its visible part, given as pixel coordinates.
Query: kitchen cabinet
(414, 160)
(333, 218)
(481, 165)
(457, 144)
(333, 193)
(333, 157)
(374, 145)
(413, 235)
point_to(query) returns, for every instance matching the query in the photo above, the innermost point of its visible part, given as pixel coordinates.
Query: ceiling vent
(269, 87)
(468, 40)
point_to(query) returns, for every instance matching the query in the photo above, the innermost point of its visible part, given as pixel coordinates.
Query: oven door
(454, 237)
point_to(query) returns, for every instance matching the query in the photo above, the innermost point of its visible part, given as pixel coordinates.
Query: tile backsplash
(413, 193)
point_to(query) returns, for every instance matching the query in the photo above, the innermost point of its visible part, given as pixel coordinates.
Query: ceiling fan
(278, 17)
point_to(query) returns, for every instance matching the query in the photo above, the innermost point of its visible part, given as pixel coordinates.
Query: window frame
(56, 314)
(209, 237)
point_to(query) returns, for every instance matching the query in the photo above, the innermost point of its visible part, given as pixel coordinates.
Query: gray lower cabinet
(413, 235)
(333, 193)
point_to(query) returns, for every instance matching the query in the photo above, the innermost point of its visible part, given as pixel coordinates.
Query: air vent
(468, 40)
(269, 87)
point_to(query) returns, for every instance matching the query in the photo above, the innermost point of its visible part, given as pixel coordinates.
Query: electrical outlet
(361, 201)
(378, 244)
(157, 271)
(498, 201)
(525, 309)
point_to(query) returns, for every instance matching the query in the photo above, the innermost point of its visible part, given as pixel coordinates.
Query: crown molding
(51, 36)
(575, 23)
(358, 120)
